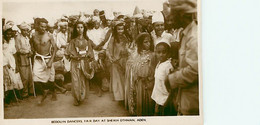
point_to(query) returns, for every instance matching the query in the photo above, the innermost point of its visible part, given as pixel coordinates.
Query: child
(160, 93)
(101, 74)
(143, 75)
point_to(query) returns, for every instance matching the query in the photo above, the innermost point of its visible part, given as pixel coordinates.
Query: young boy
(160, 93)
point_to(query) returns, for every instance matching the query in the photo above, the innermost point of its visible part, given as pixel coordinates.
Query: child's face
(161, 53)
(146, 43)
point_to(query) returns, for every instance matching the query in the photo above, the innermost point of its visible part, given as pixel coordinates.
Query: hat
(73, 17)
(8, 25)
(121, 16)
(64, 18)
(62, 24)
(109, 16)
(96, 10)
(24, 26)
(187, 6)
(157, 17)
(117, 22)
(137, 13)
(102, 13)
(15, 28)
(164, 40)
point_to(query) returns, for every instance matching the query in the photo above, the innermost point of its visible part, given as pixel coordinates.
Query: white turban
(24, 26)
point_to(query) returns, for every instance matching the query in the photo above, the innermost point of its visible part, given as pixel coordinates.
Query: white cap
(157, 17)
(164, 40)
(109, 16)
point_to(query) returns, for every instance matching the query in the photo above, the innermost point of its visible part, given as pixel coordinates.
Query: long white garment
(8, 58)
(97, 36)
(41, 73)
(62, 40)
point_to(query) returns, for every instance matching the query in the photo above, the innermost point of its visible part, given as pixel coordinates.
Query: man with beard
(185, 78)
(43, 70)
(159, 32)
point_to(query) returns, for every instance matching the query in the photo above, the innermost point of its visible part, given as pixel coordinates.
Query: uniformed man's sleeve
(186, 75)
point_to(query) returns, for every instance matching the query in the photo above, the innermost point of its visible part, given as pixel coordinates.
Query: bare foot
(76, 102)
(54, 97)
(43, 97)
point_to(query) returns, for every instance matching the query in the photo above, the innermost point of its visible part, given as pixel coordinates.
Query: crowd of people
(149, 60)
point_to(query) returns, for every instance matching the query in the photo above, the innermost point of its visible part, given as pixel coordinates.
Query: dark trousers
(40, 87)
(167, 110)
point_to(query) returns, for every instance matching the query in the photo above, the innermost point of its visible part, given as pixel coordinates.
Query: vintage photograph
(72, 59)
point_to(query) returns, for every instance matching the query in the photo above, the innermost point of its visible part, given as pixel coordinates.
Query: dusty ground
(94, 106)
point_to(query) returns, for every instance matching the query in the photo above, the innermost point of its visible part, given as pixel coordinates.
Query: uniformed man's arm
(189, 74)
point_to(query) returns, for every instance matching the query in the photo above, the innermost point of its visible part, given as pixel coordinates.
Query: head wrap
(15, 28)
(121, 17)
(24, 26)
(64, 18)
(117, 22)
(73, 17)
(187, 6)
(157, 17)
(8, 25)
(63, 24)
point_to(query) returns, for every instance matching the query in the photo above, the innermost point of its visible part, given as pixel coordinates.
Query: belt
(42, 57)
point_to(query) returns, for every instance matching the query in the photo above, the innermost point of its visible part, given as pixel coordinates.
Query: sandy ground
(94, 106)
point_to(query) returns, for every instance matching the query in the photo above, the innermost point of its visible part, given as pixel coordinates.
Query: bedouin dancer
(81, 54)
(43, 45)
(118, 54)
